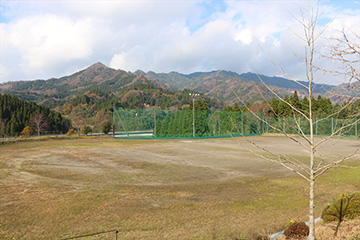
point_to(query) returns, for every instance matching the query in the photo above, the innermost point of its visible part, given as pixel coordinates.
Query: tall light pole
(193, 95)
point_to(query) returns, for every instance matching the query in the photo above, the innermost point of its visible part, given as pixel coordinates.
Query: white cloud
(43, 39)
(245, 36)
(43, 43)
(48, 40)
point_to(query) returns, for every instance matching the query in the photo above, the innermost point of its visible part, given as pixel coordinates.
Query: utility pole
(193, 95)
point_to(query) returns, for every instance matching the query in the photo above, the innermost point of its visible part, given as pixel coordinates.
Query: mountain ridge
(224, 84)
(221, 84)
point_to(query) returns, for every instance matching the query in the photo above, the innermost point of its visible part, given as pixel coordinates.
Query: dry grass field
(158, 189)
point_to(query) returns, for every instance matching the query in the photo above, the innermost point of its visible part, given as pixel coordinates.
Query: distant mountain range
(221, 85)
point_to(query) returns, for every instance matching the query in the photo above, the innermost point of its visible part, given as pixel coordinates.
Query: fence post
(356, 124)
(242, 123)
(154, 124)
(299, 125)
(113, 125)
(316, 127)
(332, 126)
(263, 125)
(219, 125)
(283, 124)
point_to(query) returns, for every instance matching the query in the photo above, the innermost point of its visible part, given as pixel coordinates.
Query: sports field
(158, 189)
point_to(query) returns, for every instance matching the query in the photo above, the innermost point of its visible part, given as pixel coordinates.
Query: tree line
(235, 120)
(321, 107)
(193, 120)
(16, 114)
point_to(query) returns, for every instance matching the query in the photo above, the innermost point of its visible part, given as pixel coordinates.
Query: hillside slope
(224, 84)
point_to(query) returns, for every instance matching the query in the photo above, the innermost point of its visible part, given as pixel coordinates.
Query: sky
(53, 38)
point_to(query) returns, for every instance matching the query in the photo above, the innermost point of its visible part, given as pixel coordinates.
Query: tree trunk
(310, 52)
(312, 208)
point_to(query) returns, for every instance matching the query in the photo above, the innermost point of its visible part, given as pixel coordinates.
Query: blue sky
(45, 39)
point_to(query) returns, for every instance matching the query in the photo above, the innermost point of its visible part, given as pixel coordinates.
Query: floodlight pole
(193, 95)
(113, 123)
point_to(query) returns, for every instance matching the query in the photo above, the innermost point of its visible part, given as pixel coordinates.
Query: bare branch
(283, 72)
(270, 125)
(336, 132)
(281, 159)
(287, 124)
(325, 168)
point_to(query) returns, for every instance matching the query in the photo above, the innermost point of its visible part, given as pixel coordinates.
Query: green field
(158, 189)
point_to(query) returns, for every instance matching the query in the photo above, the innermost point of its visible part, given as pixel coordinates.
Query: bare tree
(99, 120)
(77, 117)
(317, 164)
(78, 123)
(40, 123)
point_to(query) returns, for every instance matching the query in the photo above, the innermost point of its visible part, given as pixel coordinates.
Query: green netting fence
(156, 123)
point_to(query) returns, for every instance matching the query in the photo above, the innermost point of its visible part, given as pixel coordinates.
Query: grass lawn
(157, 189)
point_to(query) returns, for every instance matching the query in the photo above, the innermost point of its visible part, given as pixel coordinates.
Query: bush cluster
(296, 230)
(347, 206)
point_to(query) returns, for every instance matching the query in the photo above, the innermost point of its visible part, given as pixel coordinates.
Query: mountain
(159, 89)
(55, 92)
(223, 85)
(99, 87)
(87, 97)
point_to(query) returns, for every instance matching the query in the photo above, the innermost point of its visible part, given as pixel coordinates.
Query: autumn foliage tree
(70, 132)
(26, 132)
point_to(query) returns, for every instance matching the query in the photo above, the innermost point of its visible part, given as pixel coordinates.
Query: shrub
(86, 130)
(296, 230)
(347, 206)
(106, 127)
(70, 132)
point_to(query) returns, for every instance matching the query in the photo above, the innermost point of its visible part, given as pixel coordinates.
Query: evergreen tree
(20, 112)
(295, 101)
(305, 105)
(203, 106)
(236, 107)
(106, 127)
(228, 109)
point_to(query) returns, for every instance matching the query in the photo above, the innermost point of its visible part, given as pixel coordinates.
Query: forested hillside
(93, 108)
(87, 97)
(321, 106)
(56, 92)
(104, 87)
(222, 85)
(16, 114)
(145, 87)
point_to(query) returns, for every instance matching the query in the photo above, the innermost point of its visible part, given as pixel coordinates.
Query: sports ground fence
(157, 123)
